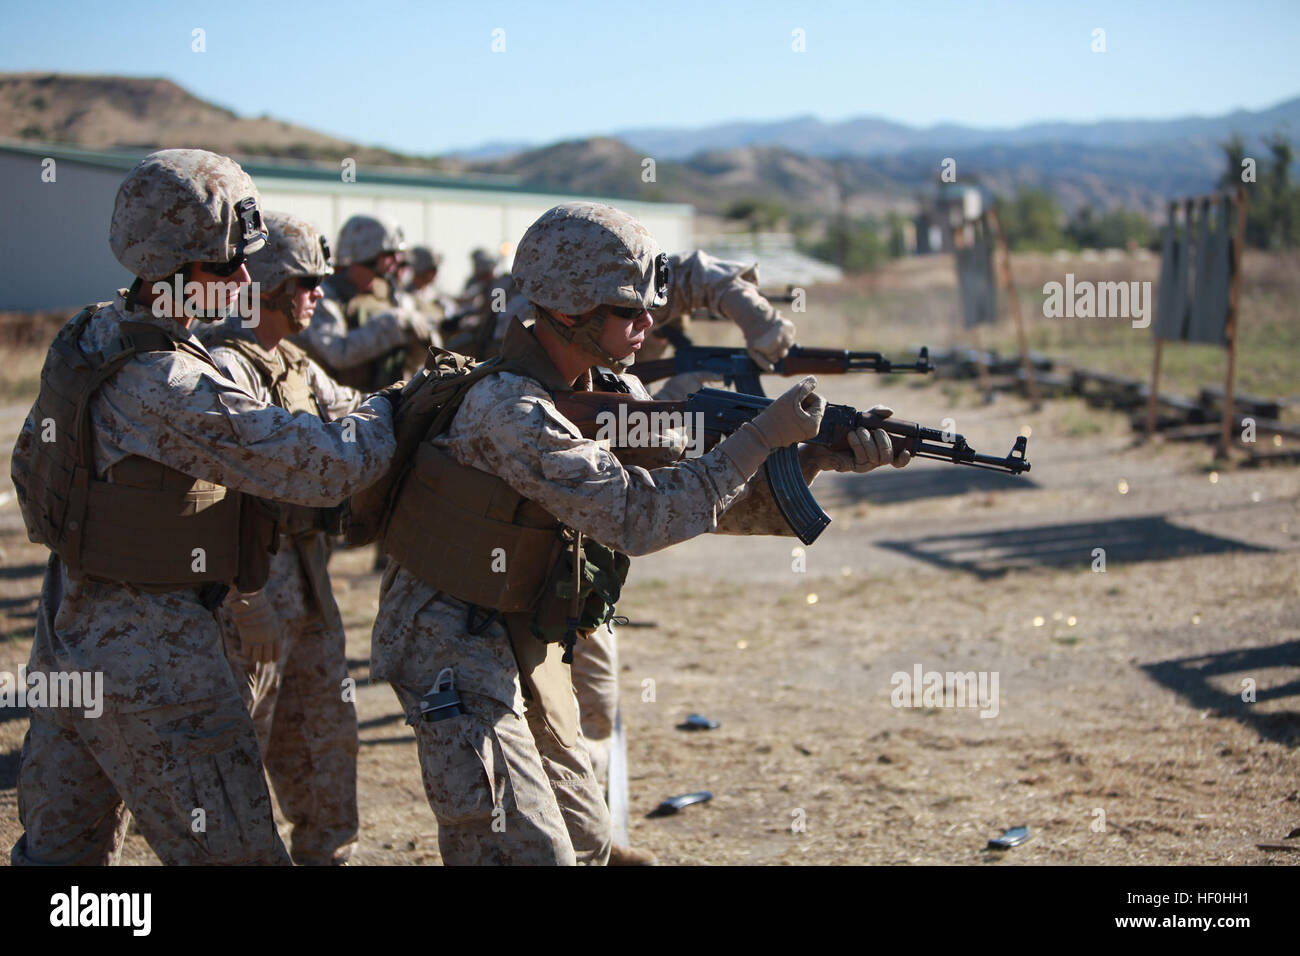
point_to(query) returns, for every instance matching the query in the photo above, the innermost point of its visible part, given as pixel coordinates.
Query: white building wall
(54, 236)
(455, 222)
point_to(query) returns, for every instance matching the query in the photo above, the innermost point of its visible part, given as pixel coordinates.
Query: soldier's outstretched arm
(204, 425)
(329, 340)
(509, 426)
(240, 371)
(335, 400)
(729, 289)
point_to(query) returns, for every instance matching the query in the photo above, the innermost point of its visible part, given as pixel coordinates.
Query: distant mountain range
(871, 136)
(864, 166)
(108, 112)
(805, 161)
(1136, 178)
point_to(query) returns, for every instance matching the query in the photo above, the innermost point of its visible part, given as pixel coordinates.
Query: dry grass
(20, 373)
(914, 302)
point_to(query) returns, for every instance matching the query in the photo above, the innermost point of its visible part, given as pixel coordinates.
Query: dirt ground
(1120, 737)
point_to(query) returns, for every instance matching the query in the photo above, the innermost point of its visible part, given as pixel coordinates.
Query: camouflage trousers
(504, 787)
(306, 727)
(595, 681)
(173, 743)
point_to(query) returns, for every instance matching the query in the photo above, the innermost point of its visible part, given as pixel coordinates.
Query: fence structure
(1200, 281)
(977, 244)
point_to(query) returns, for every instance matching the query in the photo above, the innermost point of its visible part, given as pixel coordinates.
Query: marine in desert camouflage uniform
(287, 643)
(171, 440)
(356, 333)
(729, 289)
(422, 291)
(483, 307)
(510, 778)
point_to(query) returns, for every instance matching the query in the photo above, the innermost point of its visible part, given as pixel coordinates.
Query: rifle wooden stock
(585, 410)
(812, 363)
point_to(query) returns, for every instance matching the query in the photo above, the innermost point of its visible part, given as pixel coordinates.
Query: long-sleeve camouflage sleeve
(509, 426)
(174, 408)
(755, 510)
(240, 371)
(335, 400)
(729, 289)
(329, 340)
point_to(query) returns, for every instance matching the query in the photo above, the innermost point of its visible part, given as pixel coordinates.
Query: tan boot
(627, 856)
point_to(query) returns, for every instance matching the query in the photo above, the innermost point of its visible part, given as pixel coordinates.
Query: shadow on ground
(1125, 540)
(9, 770)
(888, 486)
(23, 571)
(1191, 678)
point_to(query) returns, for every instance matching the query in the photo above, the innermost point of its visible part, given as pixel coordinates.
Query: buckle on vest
(475, 624)
(570, 639)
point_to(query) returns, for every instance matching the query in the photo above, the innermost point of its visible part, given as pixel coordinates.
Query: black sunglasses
(625, 311)
(310, 282)
(224, 269)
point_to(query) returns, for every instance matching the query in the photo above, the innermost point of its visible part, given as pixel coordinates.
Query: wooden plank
(1013, 303)
(1230, 331)
(1266, 456)
(1212, 397)
(1155, 389)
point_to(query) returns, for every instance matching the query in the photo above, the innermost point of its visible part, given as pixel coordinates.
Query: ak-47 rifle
(735, 367)
(722, 412)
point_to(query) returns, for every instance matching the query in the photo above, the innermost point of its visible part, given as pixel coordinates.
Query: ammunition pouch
(296, 520)
(603, 573)
(259, 538)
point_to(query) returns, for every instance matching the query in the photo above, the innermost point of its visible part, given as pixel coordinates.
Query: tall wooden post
(981, 368)
(1230, 327)
(1152, 399)
(1013, 303)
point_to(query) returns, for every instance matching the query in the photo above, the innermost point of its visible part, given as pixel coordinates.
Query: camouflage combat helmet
(294, 248)
(581, 255)
(363, 238)
(184, 205)
(483, 260)
(423, 259)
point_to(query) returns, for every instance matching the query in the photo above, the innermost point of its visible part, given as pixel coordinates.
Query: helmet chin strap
(281, 300)
(585, 334)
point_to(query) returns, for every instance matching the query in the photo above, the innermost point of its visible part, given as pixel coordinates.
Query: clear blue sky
(422, 77)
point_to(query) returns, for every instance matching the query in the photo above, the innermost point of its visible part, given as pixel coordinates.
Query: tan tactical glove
(259, 628)
(867, 449)
(792, 418)
(768, 336)
(772, 346)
